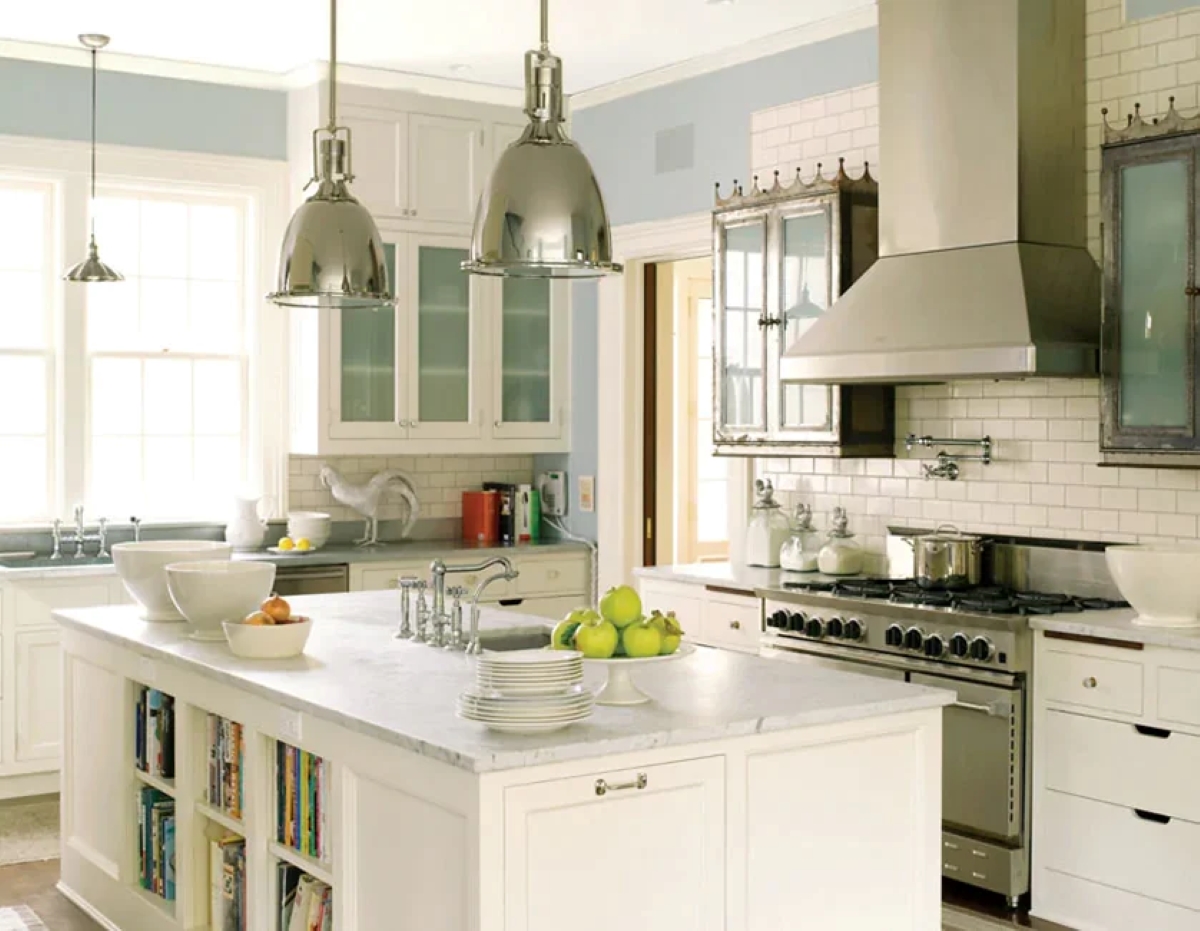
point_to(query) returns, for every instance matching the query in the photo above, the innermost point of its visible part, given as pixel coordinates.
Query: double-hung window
(28, 302)
(168, 387)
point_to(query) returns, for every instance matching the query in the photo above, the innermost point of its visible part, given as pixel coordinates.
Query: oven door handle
(994, 709)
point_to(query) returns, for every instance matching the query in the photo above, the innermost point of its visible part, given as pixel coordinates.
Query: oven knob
(894, 636)
(914, 637)
(982, 649)
(796, 622)
(854, 629)
(959, 645)
(778, 620)
(815, 628)
(835, 628)
(935, 646)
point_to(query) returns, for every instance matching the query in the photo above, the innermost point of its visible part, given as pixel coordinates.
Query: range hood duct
(983, 268)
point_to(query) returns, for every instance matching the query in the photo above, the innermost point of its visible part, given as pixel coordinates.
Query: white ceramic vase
(246, 529)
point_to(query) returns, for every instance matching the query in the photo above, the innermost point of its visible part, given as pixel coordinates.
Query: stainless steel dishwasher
(312, 580)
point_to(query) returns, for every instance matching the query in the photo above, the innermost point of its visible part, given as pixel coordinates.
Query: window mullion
(72, 368)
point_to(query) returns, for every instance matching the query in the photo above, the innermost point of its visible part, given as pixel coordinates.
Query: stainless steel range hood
(983, 268)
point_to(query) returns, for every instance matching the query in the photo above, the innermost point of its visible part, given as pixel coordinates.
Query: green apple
(642, 639)
(596, 638)
(671, 632)
(621, 605)
(563, 637)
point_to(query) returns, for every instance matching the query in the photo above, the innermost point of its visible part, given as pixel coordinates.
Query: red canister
(480, 516)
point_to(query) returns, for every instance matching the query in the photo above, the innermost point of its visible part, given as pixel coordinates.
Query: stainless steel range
(976, 643)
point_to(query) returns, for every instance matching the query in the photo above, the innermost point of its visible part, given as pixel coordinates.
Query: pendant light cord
(546, 26)
(332, 63)
(93, 201)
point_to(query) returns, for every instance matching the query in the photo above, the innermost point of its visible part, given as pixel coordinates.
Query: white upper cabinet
(504, 135)
(447, 168)
(379, 146)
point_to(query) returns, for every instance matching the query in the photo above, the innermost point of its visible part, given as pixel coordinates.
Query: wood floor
(993, 906)
(32, 884)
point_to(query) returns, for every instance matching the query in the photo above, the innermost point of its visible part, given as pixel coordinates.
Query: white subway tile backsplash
(1136, 522)
(1137, 478)
(1177, 525)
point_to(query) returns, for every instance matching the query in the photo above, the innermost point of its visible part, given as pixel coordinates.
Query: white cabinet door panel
(379, 144)
(445, 156)
(638, 859)
(38, 695)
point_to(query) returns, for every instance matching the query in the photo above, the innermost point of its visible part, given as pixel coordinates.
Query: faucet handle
(457, 592)
(136, 523)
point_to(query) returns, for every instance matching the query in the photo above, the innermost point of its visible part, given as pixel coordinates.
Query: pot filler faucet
(438, 570)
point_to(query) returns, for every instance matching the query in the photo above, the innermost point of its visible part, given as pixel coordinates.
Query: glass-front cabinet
(458, 358)
(1149, 344)
(782, 257)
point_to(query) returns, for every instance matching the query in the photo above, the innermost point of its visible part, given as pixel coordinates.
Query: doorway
(687, 497)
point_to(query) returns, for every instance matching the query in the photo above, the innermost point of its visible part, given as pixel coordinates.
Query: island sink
(750, 794)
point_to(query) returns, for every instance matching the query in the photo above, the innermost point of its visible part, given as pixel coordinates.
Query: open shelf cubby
(154, 729)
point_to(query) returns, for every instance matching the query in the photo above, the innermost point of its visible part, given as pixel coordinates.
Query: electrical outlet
(587, 493)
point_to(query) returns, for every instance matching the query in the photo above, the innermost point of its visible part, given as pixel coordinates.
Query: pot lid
(948, 533)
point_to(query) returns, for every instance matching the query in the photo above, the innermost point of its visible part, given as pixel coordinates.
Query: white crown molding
(386, 79)
(865, 17)
(141, 64)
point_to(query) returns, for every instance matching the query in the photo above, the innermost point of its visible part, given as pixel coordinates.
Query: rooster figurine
(367, 499)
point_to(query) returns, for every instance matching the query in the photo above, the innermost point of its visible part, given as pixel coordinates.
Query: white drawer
(552, 608)
(552, 576)
(1111, 761)
(733, 621)
(1077, 903)
(1090, 681)
(1179, 695)
(1112, 845)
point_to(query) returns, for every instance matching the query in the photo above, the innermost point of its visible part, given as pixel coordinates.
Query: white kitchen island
(751, 795)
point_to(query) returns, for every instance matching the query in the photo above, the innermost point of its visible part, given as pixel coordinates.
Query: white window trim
(65, 164)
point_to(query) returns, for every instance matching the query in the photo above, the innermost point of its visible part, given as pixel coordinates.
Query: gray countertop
(1118, 625)
(357, 675)
(326, 556)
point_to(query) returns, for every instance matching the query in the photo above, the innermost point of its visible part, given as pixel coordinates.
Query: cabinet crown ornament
(1137, 129)
(841, 181)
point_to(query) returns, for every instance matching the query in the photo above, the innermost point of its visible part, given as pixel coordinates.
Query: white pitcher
(246, 529)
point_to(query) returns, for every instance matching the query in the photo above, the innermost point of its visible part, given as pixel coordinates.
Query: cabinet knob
(1191, 290)
(735, 625)
(552, 574)
(1089, 682)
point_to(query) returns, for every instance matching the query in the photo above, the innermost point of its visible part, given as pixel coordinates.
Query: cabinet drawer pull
(1146, 731)
(603, 788)
(1152, 816)
(949, 845)
(975, 875)
(735, 625)
(979, 853)
(949, 867)
(511, 602)
(1089, 682)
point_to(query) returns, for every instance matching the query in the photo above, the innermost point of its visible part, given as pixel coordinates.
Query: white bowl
(140, 566)
(314, 525)
(207, 593)
(1160, 580)
(276, 641)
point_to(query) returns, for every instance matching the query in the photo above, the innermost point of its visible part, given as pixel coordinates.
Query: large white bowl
(1160, 580)
(276, 641)
(207, 593)
(140, 566)
(314, 525)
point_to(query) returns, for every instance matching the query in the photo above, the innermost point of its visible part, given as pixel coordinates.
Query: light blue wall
(1143, 9)
(52, 102)
(618, 138)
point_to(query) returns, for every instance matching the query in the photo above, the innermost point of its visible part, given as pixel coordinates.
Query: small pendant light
(541, 214)
(91, 269)
(332, 253)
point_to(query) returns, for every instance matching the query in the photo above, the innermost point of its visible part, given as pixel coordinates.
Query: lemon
(303, 544)
(285, 543)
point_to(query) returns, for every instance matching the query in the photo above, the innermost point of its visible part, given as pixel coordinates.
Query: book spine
(168, 743)
(169, 857)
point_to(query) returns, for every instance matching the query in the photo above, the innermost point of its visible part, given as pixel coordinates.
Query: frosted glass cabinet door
(1155, 349)
(742, 309)
(365, 348)
(530, 357)
(442, 351)
(806, 291)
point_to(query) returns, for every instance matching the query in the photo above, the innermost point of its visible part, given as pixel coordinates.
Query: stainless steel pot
(947, 558)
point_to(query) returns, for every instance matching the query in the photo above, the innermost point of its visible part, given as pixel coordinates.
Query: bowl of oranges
(271, 632)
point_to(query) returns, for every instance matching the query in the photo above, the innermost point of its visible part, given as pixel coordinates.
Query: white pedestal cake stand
(620, 690)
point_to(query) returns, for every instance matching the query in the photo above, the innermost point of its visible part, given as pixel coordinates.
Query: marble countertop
(357, 675)
(1118, 625)
(326, 556)
(748, 579)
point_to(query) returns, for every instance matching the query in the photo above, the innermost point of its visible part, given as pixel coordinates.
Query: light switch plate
(290, 727)
(587, 493)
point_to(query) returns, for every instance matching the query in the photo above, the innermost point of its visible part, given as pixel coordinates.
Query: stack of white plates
(527, 691)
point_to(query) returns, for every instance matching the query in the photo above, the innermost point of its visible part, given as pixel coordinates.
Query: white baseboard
(85, 906)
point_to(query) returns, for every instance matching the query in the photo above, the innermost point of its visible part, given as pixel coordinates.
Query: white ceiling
(601, 42)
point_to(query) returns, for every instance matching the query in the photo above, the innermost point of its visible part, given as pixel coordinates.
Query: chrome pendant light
(332, 253)
(541, 214)
(91, 269)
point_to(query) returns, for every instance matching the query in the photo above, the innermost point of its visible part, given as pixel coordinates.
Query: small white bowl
(207, 593)
(140, 566)
(1160, 580)
(274, 641)
(313, 525)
